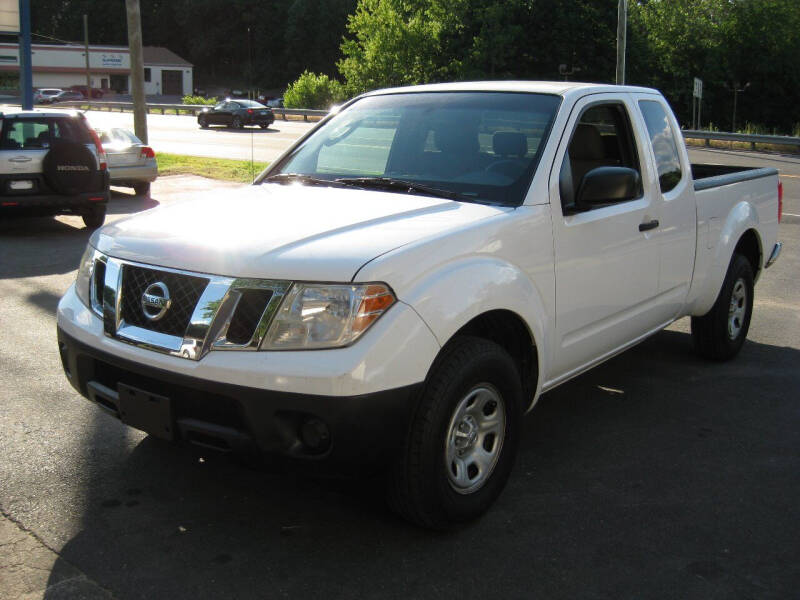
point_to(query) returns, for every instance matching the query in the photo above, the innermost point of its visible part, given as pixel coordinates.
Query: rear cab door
(606, 258)
(673, 188)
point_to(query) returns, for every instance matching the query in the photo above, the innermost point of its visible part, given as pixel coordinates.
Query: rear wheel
(463, 439)
(141, 189)
(264, 125)
(94, 216)
(721, 332)
(237, 123)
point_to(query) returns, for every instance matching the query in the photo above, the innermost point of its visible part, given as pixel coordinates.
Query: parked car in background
(52, 163)
(131, 163)
(66, 96)
(96, 93)
(45, 95)
(275, 102)
(237, 114)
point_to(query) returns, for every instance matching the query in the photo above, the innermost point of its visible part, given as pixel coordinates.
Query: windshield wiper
(300, 178)
(409, 187)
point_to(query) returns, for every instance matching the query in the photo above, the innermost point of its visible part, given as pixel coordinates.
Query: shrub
(199, 100)
(314, 91)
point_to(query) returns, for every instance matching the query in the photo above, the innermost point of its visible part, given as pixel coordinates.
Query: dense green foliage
(398, 42)
(313, 91)
(199, 100)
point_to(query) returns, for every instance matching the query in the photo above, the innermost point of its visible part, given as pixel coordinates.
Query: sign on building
(9, 16)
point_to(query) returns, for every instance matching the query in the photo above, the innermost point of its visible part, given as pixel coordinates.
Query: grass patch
(215, 168)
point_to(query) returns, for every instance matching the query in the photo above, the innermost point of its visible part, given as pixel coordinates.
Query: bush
(199, 100)
(314, 91)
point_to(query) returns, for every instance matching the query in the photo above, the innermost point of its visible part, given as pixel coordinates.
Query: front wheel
(720, 334)
(264, 125)
(463, 438)
(237, 123)
(202, 122)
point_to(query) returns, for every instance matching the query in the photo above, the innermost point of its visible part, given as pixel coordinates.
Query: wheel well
(750, 247)
(508, 330)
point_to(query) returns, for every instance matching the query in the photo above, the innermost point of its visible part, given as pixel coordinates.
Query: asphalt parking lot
(656, 475)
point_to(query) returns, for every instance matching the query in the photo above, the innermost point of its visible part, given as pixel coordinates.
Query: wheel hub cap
(475, 438)
(737, 309)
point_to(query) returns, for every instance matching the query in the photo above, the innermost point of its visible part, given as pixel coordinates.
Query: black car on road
(237, 114)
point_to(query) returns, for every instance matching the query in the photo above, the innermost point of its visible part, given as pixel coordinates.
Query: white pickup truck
(402, 285)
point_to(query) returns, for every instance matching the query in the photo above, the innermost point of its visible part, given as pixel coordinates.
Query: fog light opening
(315, 435)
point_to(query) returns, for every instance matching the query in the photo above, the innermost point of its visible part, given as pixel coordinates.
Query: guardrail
(748, 138)
(192, 109)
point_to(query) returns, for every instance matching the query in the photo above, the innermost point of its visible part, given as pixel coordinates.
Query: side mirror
(608, 185)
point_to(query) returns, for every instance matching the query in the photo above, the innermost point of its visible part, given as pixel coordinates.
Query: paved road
(656, 475)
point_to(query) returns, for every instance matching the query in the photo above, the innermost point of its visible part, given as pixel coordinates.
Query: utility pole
(736, 90)
(622, 27)
(26, 70)
(86, 47)
(137, 69)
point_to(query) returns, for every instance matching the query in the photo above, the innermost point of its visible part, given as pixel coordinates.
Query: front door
(171, 83)
(606, 260)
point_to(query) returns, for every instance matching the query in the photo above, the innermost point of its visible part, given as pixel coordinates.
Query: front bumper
(363, 430)
(260, 400)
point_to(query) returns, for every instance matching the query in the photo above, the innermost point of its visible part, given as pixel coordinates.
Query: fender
(743, 216)
(450, 281)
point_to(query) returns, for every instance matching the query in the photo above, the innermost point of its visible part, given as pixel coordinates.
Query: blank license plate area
(21, 184)
(146, 411)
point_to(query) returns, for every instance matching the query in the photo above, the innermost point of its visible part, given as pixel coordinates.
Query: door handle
(20, 159)
(648, 225)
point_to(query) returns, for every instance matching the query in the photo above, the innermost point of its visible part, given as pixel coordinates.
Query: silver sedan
(130, 162)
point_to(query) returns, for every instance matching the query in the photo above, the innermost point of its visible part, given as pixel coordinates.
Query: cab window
(603, 137)
(662, 138)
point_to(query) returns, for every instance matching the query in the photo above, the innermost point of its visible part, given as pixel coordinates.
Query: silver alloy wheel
(737, 309)
(475, 438)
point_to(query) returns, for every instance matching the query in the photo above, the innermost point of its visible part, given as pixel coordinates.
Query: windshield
(479, 146)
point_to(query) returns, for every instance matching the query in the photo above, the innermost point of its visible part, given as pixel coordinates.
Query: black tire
(94, 216)
(421, 489)
(201, 120)
(141, 189)
(237, 123)
(69, 167)
(265, 125)
(720, 333)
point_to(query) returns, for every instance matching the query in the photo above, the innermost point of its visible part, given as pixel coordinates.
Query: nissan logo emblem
(155, 301)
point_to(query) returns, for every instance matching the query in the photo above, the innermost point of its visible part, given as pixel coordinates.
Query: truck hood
(290, 232)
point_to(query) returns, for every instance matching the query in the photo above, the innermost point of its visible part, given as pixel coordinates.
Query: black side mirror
(608, 185)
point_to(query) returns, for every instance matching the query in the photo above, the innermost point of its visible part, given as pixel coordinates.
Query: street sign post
(697, 99)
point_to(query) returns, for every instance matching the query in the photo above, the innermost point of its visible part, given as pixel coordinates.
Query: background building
(61, 66)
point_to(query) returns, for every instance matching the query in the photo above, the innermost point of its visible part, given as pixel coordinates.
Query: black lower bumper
(51, 204)
(327, 433)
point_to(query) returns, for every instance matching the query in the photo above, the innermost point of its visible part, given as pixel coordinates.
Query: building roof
(156, 55)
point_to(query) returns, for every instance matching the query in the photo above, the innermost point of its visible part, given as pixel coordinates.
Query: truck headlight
(84, 279)
(326, 316)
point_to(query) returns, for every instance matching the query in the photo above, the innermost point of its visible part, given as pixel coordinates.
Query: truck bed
(710, 176)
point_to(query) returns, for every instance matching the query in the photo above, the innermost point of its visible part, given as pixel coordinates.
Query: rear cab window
(662, 139)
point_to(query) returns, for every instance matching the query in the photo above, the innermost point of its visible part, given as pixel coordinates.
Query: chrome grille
(207, 312)
(249, 310)
(184, 290)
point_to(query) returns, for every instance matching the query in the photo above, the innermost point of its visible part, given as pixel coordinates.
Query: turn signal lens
(374, 303)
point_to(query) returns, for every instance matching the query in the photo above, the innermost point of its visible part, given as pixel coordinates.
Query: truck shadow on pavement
(656, 474)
